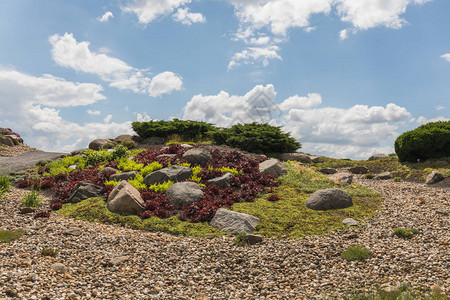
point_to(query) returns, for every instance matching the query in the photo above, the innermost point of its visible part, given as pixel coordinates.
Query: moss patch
(94, 210)
(7, 236)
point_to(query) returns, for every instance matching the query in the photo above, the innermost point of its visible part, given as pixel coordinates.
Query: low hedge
(190, 130)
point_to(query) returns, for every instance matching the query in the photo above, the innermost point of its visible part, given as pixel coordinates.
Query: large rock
(184, 193)
(97, 144)
(222, 181)
(123, 176)
(6, 141)
(359, 170)
(84, 190)
(342, 178)
(154, 140)
(107, 170)
(384, 176)
(173, 173)
(296, 157)
(197, 156)
(273, 167)
(234, 222)
(378, 156)
(329, 199)
(328, 171)
(317, 159)
(125, 198)
(434, 177)
(122, 138)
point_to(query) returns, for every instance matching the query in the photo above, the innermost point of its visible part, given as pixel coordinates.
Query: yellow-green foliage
(130, 165)
(150, 168)
(94, 210)
(112, 182)
(61, 165)
(195, 177)
(233, 171)
(138, 182)
(290, 217)
(161, 187)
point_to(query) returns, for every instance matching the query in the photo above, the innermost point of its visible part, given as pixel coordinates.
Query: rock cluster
(9, 138)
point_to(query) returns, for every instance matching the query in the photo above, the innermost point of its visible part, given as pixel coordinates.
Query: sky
(344, 77)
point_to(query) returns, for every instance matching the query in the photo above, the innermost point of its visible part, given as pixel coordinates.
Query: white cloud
(225, 110)
(296, 101)
(106, 16)
(149, 10)
(143, 117)
(164, 83)
(446, 57)
(187, 18)
(356, 132)
(107, 119)
(439, 107)
(254, 54)
(343, 35)
(366, 14)
(93, 112)
(422, 120)
(310, 28)
(29, 105)
(67, 52)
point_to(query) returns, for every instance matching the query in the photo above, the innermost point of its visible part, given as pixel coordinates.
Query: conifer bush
(189, 130)
(431, 140)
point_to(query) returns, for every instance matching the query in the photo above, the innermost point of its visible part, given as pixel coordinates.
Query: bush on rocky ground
(431, 140)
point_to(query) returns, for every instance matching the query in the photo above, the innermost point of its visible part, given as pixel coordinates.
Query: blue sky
(345, 77)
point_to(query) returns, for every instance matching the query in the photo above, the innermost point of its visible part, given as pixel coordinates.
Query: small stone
(436, 289)
(73, 231)
(328, 171)
(350, 222)
(254, 239)
(209, 236)
(434, 177)
(27, 210)
(118, 260)
(359, 170)
(58, 268)
(384, 176)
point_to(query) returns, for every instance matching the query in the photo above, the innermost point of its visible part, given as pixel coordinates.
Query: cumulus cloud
(422, 120)
(184, 16)
(67, 52)
(439, 107)
(254, 54)
(446, 57)
(355, 132)
(164, 83)
(149, 10)
(343, 34)
(296, 101)
(31, 105)
(106, 16)
(93, 112)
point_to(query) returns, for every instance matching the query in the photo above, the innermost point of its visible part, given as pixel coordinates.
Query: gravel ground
(109, 262)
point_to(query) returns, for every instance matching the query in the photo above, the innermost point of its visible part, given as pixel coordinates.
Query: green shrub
(257, 138)
(431, 140)
(49, 252)
(129, 144)
(405, 232)
(188, 130)
(356, 253)
(7, 236)
(31, 199)
(109, 145)
(5, 183)
(119, 152)
(43, 162)
(397, 179)
(241, 239)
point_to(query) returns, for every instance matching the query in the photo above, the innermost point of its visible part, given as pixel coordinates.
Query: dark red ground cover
(245, 187)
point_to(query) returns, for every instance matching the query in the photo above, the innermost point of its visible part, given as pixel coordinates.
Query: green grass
(5, 183)
(412, 171)
(405, 232)
(399, 293)
(7, 236)
(356, 253)
(289, 217)
(31, 199)
(94, 210)
(49, 252)
(241, 239)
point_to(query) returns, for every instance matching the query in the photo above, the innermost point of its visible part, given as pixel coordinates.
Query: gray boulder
(384, 176)
(329, 199)
(166, 155)
(97, 144)
(123, 176)
(123, 137)
(187, 146)
(234, 222)
(296, 157)
(350, 222)
(125, 198)
(273, 167)
(317, 159)
(378, 156)
(84, 190)
(342, 178)
(184, 193)
(253, 239)
(359, 170)
(328, 171)
(197, 156)
(107, 170)
(434, 177)
(173, 173)
(6, 141)
(154, 140)
(221, 181)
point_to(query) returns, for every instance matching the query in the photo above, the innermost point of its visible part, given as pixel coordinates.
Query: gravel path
(110, 262)
(25, 160)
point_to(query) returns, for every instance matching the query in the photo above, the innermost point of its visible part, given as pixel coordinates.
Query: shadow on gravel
(25, 161)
